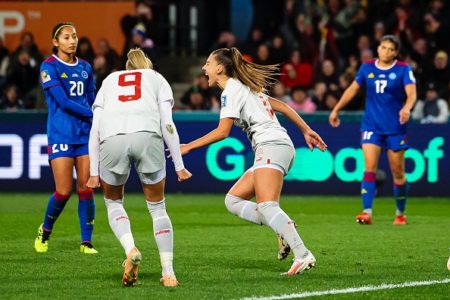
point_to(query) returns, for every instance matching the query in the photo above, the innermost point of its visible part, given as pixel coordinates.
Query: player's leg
(371, 153)
(400, 190)
(62, 168)
(268, 184)
(86, 204)
(153, 187)
(237, 200)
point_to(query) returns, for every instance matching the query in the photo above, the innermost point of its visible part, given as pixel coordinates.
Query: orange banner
(92, 19)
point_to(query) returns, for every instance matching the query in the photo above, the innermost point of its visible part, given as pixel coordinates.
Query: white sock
(163, 232)
(244, 209)
(119, 223)
(280, 222)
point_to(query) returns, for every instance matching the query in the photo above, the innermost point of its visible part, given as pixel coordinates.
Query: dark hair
(257, 77)
(57, 31)
(393, 39)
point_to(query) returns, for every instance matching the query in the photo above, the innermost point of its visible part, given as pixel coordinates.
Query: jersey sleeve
(99, 99)
(229, 103)
(408, 76)
(91, 82)
(48, 76)
(165, 92)
(360, 76)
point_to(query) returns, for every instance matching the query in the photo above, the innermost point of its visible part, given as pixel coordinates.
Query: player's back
(130, 102)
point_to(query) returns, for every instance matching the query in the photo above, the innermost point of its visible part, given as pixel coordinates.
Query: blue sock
(400, 195)
(86, 214)
(368, 190)
(55, 206)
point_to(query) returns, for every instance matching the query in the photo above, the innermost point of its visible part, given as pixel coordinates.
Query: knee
(230, 202)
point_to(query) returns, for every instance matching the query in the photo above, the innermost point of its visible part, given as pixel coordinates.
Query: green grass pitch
(218, 256)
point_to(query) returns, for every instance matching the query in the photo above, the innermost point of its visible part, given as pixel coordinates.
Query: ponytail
(259, 78)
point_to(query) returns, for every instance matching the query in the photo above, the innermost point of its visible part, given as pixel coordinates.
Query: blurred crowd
(319, 45)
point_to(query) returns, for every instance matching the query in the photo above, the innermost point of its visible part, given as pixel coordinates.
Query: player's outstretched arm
(59, 95)
(348, 95)
(172, 140)
(411, 97)
(311, 137)
(94, 150)
(222, 131)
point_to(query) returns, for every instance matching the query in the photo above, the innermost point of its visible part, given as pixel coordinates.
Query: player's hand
(314, 140)
(404, 114)
(183, 175)
(93, 182)
(333, 119)
(184, 149)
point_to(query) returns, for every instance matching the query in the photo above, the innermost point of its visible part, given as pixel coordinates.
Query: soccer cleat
(302, 264)
(87, 248)
(364, 218)
(169, 281)
(448, 264)
(400, 220)
(41, 241)
(131, 266)
(283, 248)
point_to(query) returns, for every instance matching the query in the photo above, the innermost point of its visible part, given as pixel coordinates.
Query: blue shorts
(394, 142)
(67, 150)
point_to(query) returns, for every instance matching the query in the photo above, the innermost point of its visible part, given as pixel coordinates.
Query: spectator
(296, 72)
(327, 73)
(140, 39)
(278, 91)
(25, 76)
(10, 101)
(28, 44)
(85, 50)
(226, 39)
(300, 101)
(278, 49)
(263, 55)
(433, 109)
(439, 71)
(318, 95)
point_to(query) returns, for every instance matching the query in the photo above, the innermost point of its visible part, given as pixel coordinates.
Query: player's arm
(94, 150)
(411, 97)
(59, 95)
(221, 132)
(348, 95)
(172, 140)
(311, 137)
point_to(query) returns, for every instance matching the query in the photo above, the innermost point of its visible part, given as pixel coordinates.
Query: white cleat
(302, 264)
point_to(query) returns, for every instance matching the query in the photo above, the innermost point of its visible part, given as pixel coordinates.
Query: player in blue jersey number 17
(390, 95)
(69, 88)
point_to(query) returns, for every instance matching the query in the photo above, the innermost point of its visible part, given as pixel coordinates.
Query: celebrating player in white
(243, 102)
(132, 116)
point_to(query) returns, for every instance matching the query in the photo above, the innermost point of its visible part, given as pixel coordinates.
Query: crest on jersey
(223, 101)
(392, 76)
(371, 75)
(64, 75)
(170, 128)
(45, 76)
(84, 74)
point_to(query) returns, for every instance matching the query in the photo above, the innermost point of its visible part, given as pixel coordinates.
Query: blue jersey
(385, 96)
(69, 93)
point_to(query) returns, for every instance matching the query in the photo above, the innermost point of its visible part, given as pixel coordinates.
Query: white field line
(367, 288)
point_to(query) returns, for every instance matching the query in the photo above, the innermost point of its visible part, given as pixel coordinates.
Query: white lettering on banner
(37, 159)
(17, 26)
(15, 170)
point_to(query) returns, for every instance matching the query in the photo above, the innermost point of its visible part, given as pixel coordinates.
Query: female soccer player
(69, 87)
(244, 103)
(132, 116)
(390, 95)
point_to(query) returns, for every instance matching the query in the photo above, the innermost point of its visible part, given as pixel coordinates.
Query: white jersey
(130, 101)
(253, 113)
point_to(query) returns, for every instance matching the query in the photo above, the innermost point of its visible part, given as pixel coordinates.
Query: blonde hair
(138, 60)
(259, 78)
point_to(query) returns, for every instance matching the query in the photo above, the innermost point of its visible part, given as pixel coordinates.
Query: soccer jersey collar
(385, 68)
(63, 62)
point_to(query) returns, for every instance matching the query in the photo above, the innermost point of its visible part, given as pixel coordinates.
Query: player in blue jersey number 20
(69, 88)
(390, 95)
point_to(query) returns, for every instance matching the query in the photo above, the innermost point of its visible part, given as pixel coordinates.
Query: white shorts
(279, 157)
(144, 149)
